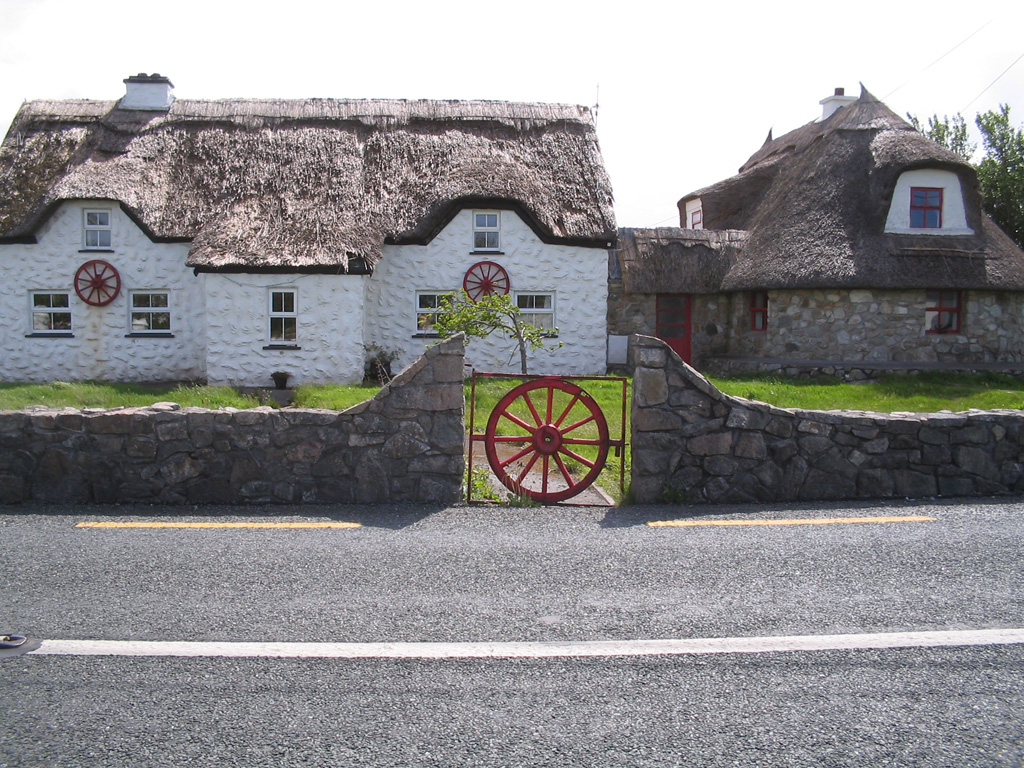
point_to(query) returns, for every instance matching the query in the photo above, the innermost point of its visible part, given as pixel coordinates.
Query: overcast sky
(687, 91)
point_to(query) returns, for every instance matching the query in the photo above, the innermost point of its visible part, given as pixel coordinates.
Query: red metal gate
(547, 438)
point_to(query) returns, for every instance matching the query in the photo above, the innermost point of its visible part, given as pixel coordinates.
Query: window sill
(929, 231)
(50, 335)
(284, 347)
(426, 335)
(153, 335)
(486, 253)
(96, 250)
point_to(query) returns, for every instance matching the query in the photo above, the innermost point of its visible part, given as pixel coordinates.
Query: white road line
(531, 649)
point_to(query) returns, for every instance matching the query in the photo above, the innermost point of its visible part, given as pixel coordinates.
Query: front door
(673, 313)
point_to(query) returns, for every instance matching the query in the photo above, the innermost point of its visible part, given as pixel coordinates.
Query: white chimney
(148, 92)
(830, 104)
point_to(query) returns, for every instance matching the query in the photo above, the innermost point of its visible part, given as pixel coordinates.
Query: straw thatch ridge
(317, 184)
(814, 204)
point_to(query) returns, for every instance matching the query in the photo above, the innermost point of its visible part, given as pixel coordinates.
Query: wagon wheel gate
(547, 438)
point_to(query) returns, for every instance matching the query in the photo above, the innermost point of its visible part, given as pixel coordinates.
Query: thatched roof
(312, 184)
(814, 204)
(673, 260)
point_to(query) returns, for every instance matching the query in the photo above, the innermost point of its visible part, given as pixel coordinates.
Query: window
(149, 312)
(925, 208)
(942, 315)
(537, 309)
(97, 229)
(759, 311)
(283, 316)
(697, 219)
(485, 231)
(427, 306)
(51, 312)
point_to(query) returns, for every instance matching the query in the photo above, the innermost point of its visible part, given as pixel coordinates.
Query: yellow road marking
(215, 525)
(811, 521)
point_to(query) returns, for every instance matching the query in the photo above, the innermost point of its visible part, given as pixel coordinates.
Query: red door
(673, 310)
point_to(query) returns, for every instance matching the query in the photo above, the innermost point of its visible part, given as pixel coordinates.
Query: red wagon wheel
(534, 436)
(97, 283)
(485, 278)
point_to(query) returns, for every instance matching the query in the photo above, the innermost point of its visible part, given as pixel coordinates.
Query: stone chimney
(830, 104)
(148, 92)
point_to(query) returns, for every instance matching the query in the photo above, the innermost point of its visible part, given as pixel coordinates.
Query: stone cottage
(853, 243)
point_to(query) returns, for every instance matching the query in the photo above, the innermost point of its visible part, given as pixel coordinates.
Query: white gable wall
(329, 338)
(576, 276)
(100, 347)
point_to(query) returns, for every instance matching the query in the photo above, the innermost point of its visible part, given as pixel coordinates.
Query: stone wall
(691, 442)
(405, 444)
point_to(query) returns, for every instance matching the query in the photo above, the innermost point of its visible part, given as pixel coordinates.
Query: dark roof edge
(443, 214)
(29, 235)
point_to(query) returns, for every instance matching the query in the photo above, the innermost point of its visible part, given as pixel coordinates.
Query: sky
(685, 92)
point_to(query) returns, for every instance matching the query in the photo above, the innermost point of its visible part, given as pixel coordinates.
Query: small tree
(1001, 172)
(457, 313)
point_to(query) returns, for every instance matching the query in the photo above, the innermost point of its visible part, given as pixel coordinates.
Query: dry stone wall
(405, 444)
(691, 442)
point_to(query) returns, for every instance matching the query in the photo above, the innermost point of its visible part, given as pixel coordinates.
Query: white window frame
(101, 231)
(423, 312)
(533, 314)
(50, 311)
(149, 311)
(282, 315)
(486, 230)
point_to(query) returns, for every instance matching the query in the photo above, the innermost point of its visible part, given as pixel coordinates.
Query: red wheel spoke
(517, 456)
(576, 457)
(519, 422)
(563, 470)
(579, 424)
(533, 409)
(527, 468)
(561, 418)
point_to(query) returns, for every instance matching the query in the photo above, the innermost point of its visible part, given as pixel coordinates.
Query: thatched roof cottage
(161, 238)
(852, 243)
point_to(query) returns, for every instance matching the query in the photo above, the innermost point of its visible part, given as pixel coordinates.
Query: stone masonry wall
(691, 442)
(405, 444)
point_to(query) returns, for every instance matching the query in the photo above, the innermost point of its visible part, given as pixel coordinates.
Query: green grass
(916, 393)
(333, 397)
(87, 394)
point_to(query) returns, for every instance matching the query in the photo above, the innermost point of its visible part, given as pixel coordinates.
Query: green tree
(1001, 172)
(457, 313)
(950, 132)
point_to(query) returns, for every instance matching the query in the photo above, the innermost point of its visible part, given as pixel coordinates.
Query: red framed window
(943, 313)
(697, 219)
(925, 208)
(759, 311)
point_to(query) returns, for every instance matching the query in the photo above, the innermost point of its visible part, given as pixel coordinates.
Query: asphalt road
(505, 575)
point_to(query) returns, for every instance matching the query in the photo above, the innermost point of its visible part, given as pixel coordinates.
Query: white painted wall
(954, 214)
(100, 348)
(577, 276)
(691, 206)
(329, 334)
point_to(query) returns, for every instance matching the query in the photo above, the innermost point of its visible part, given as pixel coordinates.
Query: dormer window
(928, 201)
(485, 231)
(97, 229)
(697, 219)
(693, 214)
(925, 208)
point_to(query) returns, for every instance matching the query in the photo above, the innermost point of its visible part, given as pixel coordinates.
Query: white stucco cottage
(156, 239)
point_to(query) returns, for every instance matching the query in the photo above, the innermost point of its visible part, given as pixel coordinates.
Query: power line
(890, 93)
(993, 82)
